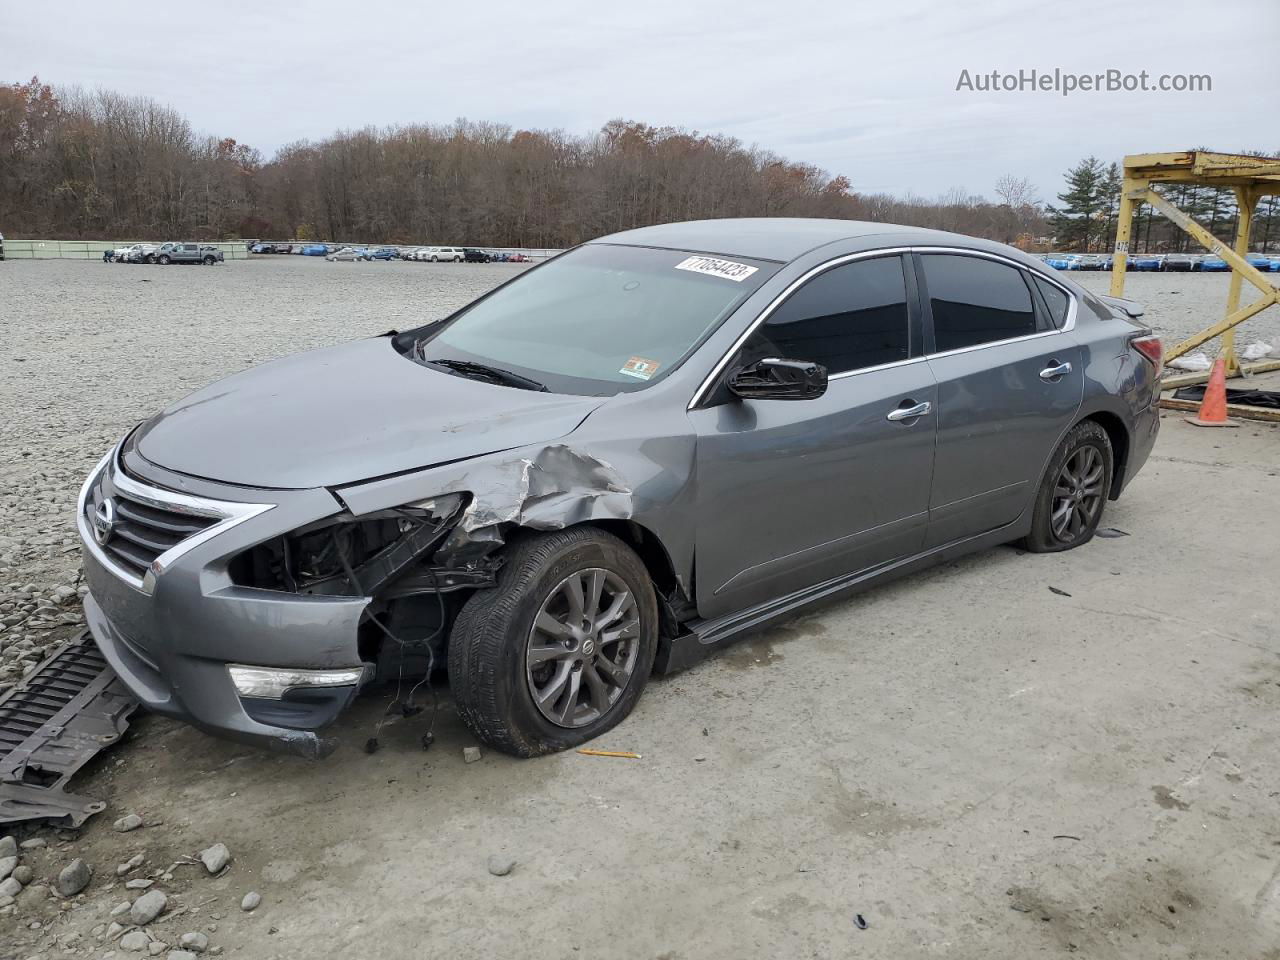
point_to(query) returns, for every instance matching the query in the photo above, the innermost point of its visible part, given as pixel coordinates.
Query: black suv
(472, 255)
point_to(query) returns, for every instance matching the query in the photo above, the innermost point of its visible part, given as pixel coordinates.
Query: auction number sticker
(715, 267)
(640, 368)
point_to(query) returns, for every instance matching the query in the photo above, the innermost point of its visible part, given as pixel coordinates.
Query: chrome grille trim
(225, 514)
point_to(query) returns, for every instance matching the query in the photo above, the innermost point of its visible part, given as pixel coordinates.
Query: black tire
(1076, 522)
(435, 259)
(488, 646)
(163, 259)
(210, 261)
(151, 258)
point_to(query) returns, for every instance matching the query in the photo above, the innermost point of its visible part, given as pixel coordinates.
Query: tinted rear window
(975, 301)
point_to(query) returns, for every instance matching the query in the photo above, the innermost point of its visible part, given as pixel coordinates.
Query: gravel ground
(92, 348)
(979, 766)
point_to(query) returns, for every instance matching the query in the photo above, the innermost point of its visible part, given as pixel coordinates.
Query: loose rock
(195, 941)
(135, 941)
(500, 864)
(181, 955)
(10, 888)
(128, 822)
(133, 863)
(157, 947)
(470, 754)
(7, 866)
(114, 930)
(35, 843)
(147, 907)
(216, 857)
(75, 876)
(9, 847)
(138, 883)
(250, 901)
(120, 909)
(23, 874)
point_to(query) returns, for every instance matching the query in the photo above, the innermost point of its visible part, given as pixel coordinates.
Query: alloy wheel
(1077, 494)
(582, 648)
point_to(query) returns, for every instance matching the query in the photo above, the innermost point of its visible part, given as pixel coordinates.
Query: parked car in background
(136, 253)
(1213, 264)
(1145, 262)
(1258, 262)
(472, 255)
(315, 250)
(184, 252)
(453, 254)
(385, 253)
(1, 246)
(568, 483)
(1063, 261)
(349, 254)
(1275, 261)
(1179, 262)
(518, 258)
(1091, 261)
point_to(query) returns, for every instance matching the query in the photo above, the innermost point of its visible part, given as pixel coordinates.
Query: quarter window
(850, 317)
(1054, 299)
(974, 301)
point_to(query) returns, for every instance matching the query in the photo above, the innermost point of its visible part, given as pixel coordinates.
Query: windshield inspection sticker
(737, 272)
(640, 368)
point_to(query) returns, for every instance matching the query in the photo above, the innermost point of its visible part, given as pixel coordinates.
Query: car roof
(783, 238)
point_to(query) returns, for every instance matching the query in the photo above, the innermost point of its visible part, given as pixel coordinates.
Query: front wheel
(163, 259)
(1073, 491)
(560, 649)
(210, 261)
(435, 260)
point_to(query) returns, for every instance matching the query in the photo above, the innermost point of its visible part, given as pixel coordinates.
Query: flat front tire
(1073, 491)
(560, 649)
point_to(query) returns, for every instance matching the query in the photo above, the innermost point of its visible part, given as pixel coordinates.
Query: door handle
(1054, 372)
(910, 413)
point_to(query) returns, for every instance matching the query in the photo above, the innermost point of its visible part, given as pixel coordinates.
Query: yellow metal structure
(1251, 178)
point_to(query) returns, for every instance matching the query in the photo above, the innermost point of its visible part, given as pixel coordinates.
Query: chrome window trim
(1072, 308)
(228, 513)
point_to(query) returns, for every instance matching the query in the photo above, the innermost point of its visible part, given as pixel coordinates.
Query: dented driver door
(796, 492)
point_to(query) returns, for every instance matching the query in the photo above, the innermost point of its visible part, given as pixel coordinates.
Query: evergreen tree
(1109, 190)
(1074, 225)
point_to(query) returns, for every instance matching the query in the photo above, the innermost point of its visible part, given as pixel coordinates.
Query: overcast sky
(865, 89)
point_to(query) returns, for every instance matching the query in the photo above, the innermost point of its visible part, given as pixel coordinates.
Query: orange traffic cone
(1213, 408)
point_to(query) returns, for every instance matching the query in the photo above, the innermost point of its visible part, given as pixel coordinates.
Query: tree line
(76, 164)
(80, 165)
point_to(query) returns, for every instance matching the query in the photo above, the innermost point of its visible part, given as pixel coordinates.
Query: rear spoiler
(1129, 308)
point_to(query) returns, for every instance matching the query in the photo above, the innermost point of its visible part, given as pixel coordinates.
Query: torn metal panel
(556, 488)
(51, 724)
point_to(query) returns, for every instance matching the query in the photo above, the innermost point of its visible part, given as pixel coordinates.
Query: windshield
(598, 320)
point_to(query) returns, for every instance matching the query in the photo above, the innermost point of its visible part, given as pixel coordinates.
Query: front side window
(850, 317)
(599, 320)
(976, 301)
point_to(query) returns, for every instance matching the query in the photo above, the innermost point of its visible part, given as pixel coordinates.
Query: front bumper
(171, 634)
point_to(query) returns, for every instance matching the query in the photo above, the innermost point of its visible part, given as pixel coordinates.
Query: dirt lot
(977, 765)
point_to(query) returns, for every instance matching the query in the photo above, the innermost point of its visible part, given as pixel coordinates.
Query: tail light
(1151, 348)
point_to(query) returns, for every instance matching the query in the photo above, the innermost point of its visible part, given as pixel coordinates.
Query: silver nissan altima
(615, 463)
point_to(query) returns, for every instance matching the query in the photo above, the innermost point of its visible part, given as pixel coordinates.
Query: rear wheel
(559, 650)
(1073, 492)
(163, 258)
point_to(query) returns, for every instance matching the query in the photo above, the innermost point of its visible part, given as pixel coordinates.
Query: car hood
(344, 414)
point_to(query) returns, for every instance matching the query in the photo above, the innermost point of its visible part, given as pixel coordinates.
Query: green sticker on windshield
(640, 368)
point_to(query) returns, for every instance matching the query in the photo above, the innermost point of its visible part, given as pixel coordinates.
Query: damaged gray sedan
(609, 466)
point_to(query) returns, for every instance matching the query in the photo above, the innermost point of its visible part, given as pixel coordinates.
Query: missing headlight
(346, 555)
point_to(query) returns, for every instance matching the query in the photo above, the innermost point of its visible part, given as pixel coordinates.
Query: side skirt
(702, 638)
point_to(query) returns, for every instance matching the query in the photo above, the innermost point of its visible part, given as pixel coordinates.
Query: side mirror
(774, 379)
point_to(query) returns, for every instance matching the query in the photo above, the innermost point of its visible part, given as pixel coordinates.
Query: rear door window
(851, 317)
(1055, 299)
(974, 301)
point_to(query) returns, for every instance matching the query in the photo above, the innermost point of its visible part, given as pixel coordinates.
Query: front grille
(142, 531)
